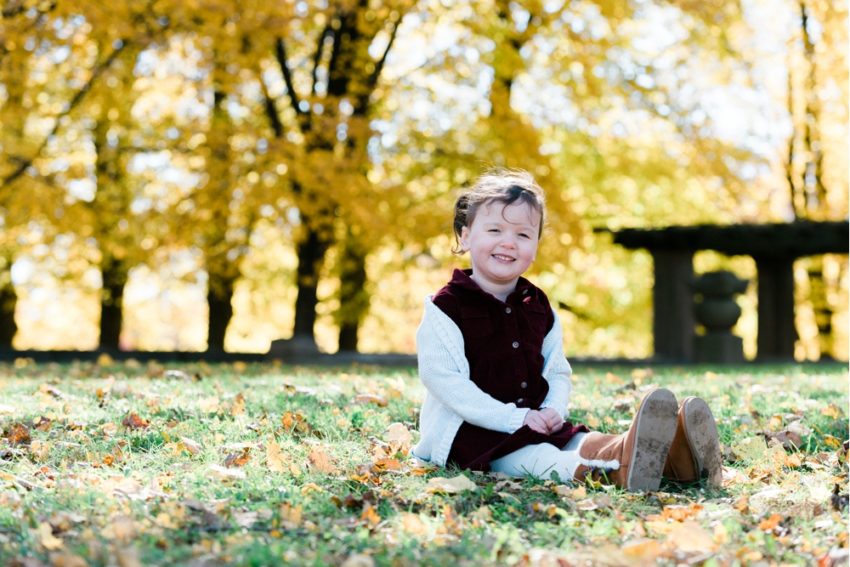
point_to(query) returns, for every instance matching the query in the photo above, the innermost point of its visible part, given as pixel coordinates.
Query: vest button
(508, 310)
(520, 400)
(515, 344)
(523, 385)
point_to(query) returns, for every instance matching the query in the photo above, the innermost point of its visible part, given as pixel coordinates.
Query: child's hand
(536, 421)
(552, 418)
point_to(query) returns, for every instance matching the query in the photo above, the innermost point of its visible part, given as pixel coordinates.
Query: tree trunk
(220, 303)
(114, 275)
(311, 254)
(8, 302)
(353, 297)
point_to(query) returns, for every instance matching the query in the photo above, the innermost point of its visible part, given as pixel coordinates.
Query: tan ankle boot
(633, 460)
(695, 452)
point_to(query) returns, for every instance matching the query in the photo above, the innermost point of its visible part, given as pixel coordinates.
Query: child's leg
(542, 460)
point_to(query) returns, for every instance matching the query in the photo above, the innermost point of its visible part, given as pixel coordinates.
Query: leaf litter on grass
(320, 469)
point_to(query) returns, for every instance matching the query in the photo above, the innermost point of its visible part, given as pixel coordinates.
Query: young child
(498, 384)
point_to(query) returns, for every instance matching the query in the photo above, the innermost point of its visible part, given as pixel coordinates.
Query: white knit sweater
(452, 397)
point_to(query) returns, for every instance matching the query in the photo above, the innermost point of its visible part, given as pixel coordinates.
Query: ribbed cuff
(517, 417)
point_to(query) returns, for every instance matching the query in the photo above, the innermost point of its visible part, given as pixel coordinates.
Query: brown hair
(505, 186)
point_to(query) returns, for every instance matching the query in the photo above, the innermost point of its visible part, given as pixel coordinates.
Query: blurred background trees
(218, 174)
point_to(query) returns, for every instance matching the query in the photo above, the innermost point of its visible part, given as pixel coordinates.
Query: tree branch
(280, 55)
(317, 58)
(77, 98)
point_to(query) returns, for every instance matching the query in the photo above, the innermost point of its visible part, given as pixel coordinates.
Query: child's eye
(493, 230)
(524, 235)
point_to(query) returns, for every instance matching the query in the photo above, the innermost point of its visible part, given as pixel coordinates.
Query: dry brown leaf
(384, 465)
(321, 462)
(18, 434)
(238, 407)
(379, 401)
(238, 459)
(691, 537)
(66, 559)
(192, 447)
(274, 457)
(133, 421)
(399, 437)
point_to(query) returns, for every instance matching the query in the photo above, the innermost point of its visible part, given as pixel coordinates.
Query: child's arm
(444, 380)
(556, 370)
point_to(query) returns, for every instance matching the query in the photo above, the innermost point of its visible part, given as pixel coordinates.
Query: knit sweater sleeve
(445, 373)
(556, 370)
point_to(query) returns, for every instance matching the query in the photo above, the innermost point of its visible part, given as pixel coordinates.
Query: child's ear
(464, 234)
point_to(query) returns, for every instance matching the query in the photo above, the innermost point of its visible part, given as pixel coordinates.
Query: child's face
(502, 243)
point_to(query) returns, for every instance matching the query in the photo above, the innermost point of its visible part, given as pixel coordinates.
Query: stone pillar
(717, 311)
(672, 305)
(776, 330)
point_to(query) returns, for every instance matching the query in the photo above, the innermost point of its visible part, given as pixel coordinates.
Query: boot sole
(655, 427)
(703, 439)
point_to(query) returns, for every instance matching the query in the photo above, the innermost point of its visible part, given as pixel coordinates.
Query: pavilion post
(776, 330)
(673, 305)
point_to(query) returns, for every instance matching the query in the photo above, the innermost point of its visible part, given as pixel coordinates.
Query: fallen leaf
(370, 516)
(46, 538)
(691, 537)
(321, 461)
(450, 485)
(380, 401)
(238, 459)
(413, 524)
(290, 516)
(274, 457)
(238, 406)
(399, 437)
(224, 473)
(643, 550)
(192, 447)
(769, 524)
(18, 434)
(133, 421)
(384, 465)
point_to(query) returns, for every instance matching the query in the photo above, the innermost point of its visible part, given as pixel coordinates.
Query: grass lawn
(132, 464)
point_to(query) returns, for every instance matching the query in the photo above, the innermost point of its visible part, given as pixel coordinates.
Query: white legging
(543, 459)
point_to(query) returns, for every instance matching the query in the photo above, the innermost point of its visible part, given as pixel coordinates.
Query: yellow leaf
(643, 550)
(450, 485)
(274, 457)
(290, 516)
(370, 516)
(769, 524)
(47, 539)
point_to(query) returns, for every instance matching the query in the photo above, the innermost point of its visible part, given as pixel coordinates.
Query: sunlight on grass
(263, 464)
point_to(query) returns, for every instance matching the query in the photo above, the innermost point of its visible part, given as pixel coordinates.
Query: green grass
(125, 464)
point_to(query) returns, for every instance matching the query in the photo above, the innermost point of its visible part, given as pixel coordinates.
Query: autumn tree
(329, 60)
